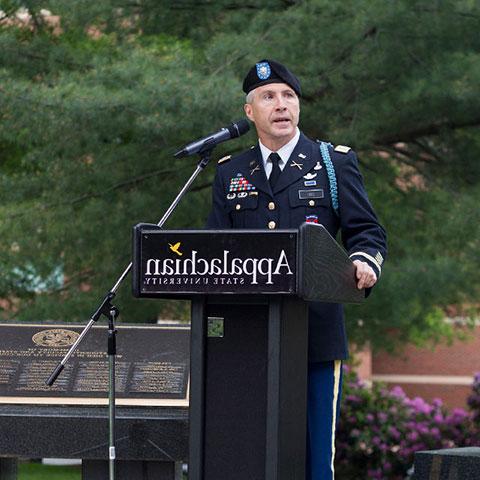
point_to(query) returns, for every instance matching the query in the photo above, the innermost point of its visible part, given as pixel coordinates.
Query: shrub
(380, 430)
(474, 400)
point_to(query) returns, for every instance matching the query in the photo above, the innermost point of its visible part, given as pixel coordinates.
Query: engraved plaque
(152, 365)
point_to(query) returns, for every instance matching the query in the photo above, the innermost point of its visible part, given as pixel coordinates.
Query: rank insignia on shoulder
(342, 149)
(224, 159)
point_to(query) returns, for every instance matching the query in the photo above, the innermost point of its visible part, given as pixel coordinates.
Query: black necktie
(275, 173)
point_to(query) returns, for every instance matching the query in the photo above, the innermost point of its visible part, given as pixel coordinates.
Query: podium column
(248, 389)
(287, 389)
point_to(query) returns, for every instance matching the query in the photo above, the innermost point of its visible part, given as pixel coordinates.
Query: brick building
(443, 371)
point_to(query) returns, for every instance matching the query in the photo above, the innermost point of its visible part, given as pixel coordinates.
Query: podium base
(8, 468)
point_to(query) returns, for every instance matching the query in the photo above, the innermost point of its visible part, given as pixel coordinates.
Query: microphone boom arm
(105, 307)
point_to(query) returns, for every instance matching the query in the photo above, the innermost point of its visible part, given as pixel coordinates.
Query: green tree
(90, 118)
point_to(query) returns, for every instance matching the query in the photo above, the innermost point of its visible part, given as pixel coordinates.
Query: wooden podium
(249, 337)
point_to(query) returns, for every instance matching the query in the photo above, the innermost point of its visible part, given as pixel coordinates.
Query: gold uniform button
(271, 225)
(238, 206)
(311, 203)
(271, 206)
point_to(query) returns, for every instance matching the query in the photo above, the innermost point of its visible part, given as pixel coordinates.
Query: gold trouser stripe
(336, 388)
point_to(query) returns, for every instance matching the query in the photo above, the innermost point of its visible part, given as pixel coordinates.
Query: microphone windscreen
(238, 128)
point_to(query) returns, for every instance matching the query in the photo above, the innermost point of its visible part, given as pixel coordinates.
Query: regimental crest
(263, 70)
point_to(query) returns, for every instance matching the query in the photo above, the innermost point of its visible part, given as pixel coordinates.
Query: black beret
(269, 71)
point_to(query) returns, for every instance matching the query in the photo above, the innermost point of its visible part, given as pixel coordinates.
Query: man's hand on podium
(365, 275)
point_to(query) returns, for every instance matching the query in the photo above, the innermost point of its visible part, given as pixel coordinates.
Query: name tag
(313, 193)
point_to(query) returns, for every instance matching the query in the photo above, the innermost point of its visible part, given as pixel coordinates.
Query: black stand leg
(8, 468)
(112, 351)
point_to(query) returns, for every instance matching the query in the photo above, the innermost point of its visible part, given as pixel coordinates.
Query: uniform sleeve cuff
(365, 257)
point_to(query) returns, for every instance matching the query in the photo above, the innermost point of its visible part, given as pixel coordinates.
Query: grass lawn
(37, 471)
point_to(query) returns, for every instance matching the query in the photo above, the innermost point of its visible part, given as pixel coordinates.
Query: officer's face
(275, 110)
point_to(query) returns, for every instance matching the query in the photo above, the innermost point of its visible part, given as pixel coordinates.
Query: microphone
(233, 130)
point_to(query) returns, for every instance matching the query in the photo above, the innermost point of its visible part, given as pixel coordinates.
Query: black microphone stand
(107, 309)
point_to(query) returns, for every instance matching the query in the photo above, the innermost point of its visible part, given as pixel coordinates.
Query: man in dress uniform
(283, 181)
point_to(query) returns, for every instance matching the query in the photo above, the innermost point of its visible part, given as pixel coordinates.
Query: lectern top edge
(151, 227)
(307, 262)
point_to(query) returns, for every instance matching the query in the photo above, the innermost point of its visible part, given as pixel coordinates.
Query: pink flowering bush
(380, 430)
(474, 400)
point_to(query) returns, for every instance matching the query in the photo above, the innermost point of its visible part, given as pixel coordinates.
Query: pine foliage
(93, 106)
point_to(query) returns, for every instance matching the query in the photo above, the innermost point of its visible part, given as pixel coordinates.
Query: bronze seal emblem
(55, 338)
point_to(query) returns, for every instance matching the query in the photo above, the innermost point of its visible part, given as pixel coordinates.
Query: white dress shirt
(283, 152)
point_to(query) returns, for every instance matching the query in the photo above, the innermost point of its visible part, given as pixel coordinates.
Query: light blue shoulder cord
(332, 177)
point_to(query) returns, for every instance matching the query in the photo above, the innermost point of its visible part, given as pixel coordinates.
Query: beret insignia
(263, 70)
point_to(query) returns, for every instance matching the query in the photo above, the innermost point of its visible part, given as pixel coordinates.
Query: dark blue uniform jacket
(362, 235)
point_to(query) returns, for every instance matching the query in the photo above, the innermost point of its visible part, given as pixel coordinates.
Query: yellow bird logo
(174, 248)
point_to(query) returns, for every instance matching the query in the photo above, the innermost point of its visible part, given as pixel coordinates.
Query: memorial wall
(152, 365)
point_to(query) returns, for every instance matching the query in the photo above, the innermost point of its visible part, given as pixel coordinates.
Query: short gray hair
(249, 97)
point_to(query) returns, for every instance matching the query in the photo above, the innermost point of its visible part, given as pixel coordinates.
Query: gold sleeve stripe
(369, 257)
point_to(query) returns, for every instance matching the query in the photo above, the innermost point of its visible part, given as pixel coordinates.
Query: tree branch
(238, 54)
(427, 130)
(431, 152)
(44, 58)
(88, 196)
(192, 5)
(344, 55)
(402, 155)
(199, 188)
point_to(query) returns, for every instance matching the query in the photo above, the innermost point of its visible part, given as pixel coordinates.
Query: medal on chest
(240, 184)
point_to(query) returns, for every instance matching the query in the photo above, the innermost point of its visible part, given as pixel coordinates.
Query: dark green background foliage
(90, 118)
